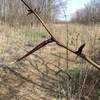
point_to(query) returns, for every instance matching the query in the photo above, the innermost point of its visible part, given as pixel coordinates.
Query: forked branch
(52, 39)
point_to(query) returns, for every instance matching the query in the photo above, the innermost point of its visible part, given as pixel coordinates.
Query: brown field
(77, 35)
(15, 41)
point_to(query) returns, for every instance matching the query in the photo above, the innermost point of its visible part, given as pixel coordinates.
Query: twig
(83, 85)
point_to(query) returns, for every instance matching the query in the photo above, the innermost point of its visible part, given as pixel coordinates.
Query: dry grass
(15, 40)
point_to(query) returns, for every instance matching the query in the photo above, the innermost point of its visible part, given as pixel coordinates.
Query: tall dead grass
(43, 75)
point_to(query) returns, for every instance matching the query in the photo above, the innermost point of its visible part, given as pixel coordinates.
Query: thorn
(29, 12)
(39, 46)
(79, 51)
(35, 9)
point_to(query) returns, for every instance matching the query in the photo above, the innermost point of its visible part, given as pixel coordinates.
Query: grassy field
(25, 35)
(15, 41)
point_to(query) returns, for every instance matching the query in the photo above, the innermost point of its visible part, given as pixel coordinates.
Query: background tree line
(89, 14)
(13, 11)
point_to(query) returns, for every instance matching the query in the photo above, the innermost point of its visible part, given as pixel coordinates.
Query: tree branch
(57, 42)
(42, 44)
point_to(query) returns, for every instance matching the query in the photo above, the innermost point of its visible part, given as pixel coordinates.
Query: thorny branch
(56, 41)
(42, 44)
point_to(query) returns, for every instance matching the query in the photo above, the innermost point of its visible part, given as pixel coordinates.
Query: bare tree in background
(10, 12)
(89, 14)
(47, 9)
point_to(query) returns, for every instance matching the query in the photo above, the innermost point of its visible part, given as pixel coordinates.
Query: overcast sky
(73, 5)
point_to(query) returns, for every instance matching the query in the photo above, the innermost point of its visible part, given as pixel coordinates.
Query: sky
(72, 7)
